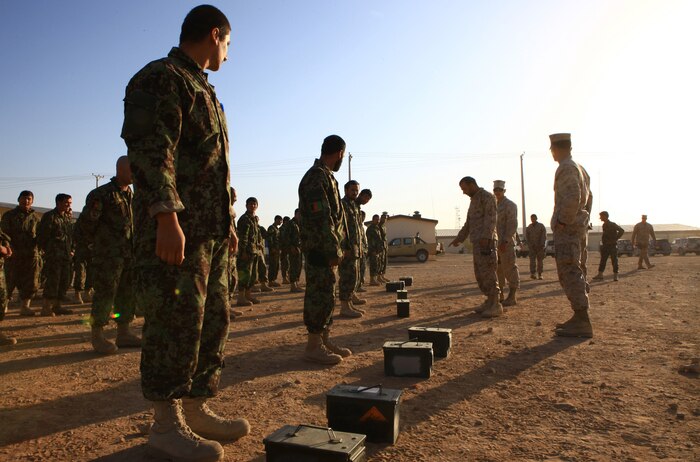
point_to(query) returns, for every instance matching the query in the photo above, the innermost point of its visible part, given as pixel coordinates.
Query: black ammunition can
(309, 443)
(408, 359)
(403, 308)
(393, 286)
(441, 339)
(408, 280)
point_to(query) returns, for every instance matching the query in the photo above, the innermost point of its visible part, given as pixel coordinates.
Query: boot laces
(183, 428)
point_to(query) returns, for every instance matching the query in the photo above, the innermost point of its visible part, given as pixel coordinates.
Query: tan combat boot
(58, 309)
(483, 306)
(358, 301)
(250, 297)
(511, 300)
(346, 309)
(362, 288)
(5, 340)
(100, 344)
(381, 278)
(242, 300)
(316, 352)
(598, 277)
(79, 297)
(46, 307)
(578, 326)
(373, 281)
(126, 338)
(285, 279)
(294, 288)
(205, 423)
(332, 347)
(24, 309)
(494, 309)
(172, 439)
(615, 277)
(266, 288)
(533, 276)
(274, 284)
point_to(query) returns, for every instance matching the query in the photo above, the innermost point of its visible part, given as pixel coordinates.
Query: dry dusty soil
(509, 391)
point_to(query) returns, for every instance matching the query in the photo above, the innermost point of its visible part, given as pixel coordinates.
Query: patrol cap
(499, 184)
(557, 137)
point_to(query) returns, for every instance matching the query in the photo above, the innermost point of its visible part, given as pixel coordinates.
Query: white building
(409, 226)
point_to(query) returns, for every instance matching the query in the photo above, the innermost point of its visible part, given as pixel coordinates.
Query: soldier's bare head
(123, 171)
(234, 196)
(64, 202)
(297, 214)
(205, 36)
(25, 199)
(468, 186)
(644, 218)
(352, 189)
(375, 218)
(332, 152)
(604, 215)
(365, 196)
(533, 218)
(251, 205)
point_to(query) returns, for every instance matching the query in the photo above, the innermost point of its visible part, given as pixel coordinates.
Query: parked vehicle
(522, 250)
(691, 245)
(624, 247)
(663, 247)
(677, 244)
(411, 247)
(651, 250)
(549, 248)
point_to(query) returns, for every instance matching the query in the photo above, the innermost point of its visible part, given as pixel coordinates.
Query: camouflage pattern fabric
(384, 255)
(323, 240)
(261, 263)
(349, 268)
(375, 247)
(506, 227)
(641, 234)
(55, 238)
(177, 139)
(485, 264)
(572, 205)
(107, 223)
(536, 237)
(4, 241)
(291, 242)
(22, 270)
(248, 250)
(273, 244)
(232, 265)
(82, 259)
(284, 252)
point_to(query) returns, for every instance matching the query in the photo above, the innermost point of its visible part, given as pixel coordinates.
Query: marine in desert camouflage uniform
(506, 229)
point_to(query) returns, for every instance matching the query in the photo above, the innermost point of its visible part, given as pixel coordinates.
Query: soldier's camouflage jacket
(4, 241)
(21, 227)
(375, 243)
(248, 236)
(323, 229)
(290, 235)
(107, 221)
(507, 221)
(352, 220)
(177, 139)
(481, 218)
(55, 234)
(273, 237)
(572, 197)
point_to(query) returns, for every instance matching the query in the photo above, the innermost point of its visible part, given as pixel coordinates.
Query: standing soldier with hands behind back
(175, 129)
(324, 242)
(536, 237)
(572, 207)
(611, 233)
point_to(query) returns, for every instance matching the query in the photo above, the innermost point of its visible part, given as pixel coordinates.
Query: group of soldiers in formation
(178, 264)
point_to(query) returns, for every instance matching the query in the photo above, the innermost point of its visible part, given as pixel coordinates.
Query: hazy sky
(424, 93)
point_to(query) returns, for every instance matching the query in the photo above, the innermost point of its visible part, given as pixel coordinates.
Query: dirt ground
(509, 391)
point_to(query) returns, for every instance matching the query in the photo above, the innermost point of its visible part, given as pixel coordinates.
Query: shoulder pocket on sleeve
(139, 114)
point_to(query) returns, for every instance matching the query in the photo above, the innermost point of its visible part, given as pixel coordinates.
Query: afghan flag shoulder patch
(316, 206)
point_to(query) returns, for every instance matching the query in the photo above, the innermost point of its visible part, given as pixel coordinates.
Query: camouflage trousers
(485, 271)
(643, 255)
(232, 272)
(363, 267)
(373, 264)
(284, 263)
(383, 260)
(82, 274)
(349, 272)
(247, 272)
(57, 271)
(536, 260)
(262, 269)
(113, 291)
(186, 322)
(570, 267)
(273, 266)
(295, 267)
(508, 269)
(22, 272)
(3, 292)
(319, 299)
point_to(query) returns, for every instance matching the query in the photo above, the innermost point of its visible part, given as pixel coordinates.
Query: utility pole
(97, 178)
(349, 166)
(522, 189)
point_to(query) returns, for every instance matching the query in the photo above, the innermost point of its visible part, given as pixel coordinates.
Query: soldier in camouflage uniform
(324, 242)
(82, 260)
(5, 252)
(375, 247)
(572, 208)
(641, 234)
(248, 253)
(364, 197)
(273, 244)
(291, 243)
(384, 256)
(55, 238)
(175, 130)
(349, 268)
(506, 229)
(284, 253)
(480, 228)
(107, 223)
(22, 270)
(262, 263)
(536, 237)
